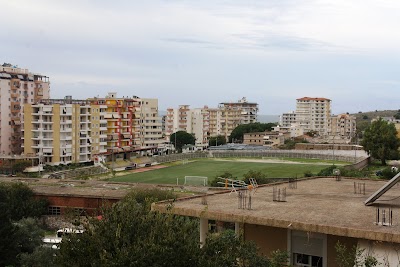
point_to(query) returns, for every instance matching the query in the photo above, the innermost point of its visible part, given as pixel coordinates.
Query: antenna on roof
(384, 217)
(359, 188)
(278, 194)
(244, 199)
(292, 183)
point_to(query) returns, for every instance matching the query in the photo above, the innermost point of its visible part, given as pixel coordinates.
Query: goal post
(196, 180)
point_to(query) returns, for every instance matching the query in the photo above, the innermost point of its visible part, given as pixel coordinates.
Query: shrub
(216, 179)
(308, 174)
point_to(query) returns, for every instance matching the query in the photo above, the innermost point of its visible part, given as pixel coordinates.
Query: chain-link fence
(347, 156)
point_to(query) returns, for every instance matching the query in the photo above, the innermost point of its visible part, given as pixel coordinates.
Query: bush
(260, 177)
(387, 173)
(308, 174)
(327, 171)
(216, 179)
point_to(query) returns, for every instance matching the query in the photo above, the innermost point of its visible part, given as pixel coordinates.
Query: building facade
(313, 114)
(58, 131)
(343, 125)
(267, 139)
(63, 131)
(17, 87)
(209, 122)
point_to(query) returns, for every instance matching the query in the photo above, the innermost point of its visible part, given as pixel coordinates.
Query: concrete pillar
(237, 228)
(203, 231)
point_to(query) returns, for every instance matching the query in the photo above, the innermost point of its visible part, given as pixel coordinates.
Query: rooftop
(79, 188)
(313, 98)
(321, 205)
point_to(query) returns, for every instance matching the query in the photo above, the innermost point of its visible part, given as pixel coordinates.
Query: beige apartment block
(17, 87)
(248, 110)
(58, 131)
(195, 121)
(207, 122)
(313, 114)
(343, 125)
(267, 139)
(288, 119)
(150, 131)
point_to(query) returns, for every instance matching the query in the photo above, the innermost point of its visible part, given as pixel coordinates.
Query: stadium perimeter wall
(359, 161)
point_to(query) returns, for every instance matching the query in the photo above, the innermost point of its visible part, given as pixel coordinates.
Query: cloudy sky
(211, 51)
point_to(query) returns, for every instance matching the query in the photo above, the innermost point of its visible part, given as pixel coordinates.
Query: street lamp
(175, 143)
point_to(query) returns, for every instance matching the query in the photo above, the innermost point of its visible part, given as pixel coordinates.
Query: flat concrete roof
(77, 188)
(321, 205)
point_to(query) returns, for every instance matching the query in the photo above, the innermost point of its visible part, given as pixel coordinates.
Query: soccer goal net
(196, 180)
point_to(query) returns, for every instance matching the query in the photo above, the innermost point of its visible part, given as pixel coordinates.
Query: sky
(211, 51)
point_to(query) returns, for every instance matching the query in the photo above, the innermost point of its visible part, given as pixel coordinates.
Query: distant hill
(267, 118)
(369, 115)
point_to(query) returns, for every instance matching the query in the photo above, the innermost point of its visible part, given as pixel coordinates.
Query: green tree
(19, 234)
(239, 131)
(217, 140)
(353, 257)
(181, 138)
(227, 249)
(130, 234)
(380, 140)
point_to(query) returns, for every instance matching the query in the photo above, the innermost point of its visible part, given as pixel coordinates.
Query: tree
(380, 140)
(217, 140)
(181, 138)
(130, 234)
(239, 131)
(19, 234)
(353, 257)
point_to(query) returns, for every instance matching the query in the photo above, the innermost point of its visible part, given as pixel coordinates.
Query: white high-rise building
(312, 114)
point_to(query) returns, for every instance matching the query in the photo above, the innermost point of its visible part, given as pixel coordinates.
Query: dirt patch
(145, 169)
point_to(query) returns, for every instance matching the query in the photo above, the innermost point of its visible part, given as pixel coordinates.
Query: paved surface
(318, 205)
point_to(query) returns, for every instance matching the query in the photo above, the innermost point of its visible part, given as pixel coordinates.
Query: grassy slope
(211, 169)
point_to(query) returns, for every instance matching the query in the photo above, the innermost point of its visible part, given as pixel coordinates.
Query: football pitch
(213, 168)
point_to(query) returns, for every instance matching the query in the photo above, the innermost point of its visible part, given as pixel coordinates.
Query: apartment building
(313, 114)
(63, 131)
(288, 119)
(248, 110)
(343, 125)
(131, 124)
(58, 131)
(150, 132)
(268, 139)
(205, 122)
(195, 121)
(17, 87)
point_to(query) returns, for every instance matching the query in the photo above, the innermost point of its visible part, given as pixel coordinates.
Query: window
(307, 260)
(54, 210)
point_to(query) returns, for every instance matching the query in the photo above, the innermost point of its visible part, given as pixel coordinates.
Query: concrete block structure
(267, 139)
(305, 217)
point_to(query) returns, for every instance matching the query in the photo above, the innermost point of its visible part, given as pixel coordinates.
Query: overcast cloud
(206, 52)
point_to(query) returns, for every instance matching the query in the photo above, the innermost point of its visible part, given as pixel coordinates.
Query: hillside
(363, 119)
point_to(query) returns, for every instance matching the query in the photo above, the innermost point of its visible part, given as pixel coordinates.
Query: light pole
(175, 143)
(333, 150)
(355, 147)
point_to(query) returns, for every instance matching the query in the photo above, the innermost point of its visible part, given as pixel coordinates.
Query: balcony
(66, 122)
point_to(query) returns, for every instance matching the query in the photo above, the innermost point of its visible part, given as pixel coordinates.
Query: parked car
(127, 168)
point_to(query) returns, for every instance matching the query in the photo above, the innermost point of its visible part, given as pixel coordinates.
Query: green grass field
(211, 169)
